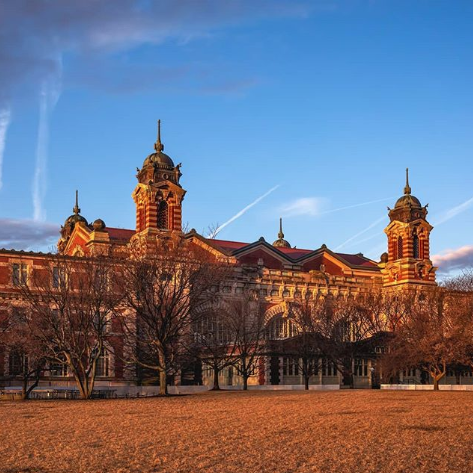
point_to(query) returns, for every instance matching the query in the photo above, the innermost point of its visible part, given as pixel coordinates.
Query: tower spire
(407, 189)
(280, 234)
(76, 208)
(159, 146)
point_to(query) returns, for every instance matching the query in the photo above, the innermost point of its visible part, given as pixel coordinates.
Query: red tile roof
(357, 260)
(119, 233)
(227, 245)
(295, 253)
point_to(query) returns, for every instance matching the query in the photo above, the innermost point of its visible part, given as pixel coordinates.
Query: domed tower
(408, 258)
(69, 225)
(281, 242)
(158, 195)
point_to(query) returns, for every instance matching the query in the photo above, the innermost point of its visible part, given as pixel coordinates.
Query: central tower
(408, 258)
(158, 195)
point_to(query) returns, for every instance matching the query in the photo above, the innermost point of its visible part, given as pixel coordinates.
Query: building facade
(280, 273)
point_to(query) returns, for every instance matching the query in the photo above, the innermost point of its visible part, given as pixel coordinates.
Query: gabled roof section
(289, 255)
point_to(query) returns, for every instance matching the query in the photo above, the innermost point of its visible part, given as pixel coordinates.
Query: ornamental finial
(280, 234)
(76, 208)
(407, 189)
(159, 146)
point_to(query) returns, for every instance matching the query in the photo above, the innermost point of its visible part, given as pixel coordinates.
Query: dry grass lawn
(357, 431)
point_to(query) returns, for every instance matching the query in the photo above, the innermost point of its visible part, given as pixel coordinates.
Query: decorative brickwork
(408, 243)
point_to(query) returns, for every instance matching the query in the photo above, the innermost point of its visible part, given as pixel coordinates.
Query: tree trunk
(216, 386)
(437, 375)
(24, 389)
(306, 381)
(163, 371)
(163, 385)
(245, 382)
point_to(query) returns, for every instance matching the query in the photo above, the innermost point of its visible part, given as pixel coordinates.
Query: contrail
(49, 95)
(5, 118)
(361, 233)
(356, 205)
(454, 211)
(241, 212)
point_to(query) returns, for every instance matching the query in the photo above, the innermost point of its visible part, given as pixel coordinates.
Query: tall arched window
(415, 246)
(280, 328)
(163, 215)
(399, 248)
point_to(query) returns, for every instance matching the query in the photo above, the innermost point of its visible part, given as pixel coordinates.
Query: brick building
(279, 272)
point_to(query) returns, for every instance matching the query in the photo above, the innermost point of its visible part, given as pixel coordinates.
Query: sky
(305, 110)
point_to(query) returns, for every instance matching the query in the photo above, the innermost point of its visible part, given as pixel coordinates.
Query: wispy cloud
(304, 206)
(454, 259)
(27, 234)
(453, 212)
(32, 33)
(50, 93)
(5, 118)
(315, 206)
(369, 227)
(241, 212)
(356, 205)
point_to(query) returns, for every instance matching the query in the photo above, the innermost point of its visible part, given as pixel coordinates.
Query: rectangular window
(361, 367)
(19, 274)
(16, 361)
(290, 367)
(59, 277)
(328, 369)
(57, 369)
(103, 365)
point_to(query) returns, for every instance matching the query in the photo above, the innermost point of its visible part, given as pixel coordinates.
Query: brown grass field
(346, 431)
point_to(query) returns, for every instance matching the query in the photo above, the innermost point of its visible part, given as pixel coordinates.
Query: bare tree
(161, 291)
(27, 354)
(246, 322)
(347, 324)
(305, 347)
(431, 336)
(71, 302)
(459, 291)
(213, 340)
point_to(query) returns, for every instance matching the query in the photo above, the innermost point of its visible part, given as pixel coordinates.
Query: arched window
(211, 329)
(163, 215)
(415, 246)
(280, 328)
(399, 248)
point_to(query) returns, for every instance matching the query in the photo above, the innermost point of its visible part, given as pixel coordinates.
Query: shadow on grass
(425, 428)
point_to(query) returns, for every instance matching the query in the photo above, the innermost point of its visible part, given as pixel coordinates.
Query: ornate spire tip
(407, 189)
(76, 208)
(280, 234)
(159, 146)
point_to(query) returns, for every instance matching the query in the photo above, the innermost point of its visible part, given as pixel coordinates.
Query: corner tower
(408, 258)
(158, 195)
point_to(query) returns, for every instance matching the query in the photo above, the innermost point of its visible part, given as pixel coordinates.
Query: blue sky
(328, 100)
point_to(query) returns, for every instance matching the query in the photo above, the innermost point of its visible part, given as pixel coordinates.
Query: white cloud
(304, 206)
(27, 234)
(5, 118)
(453, 212)
(50, 93)
(454, 259)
